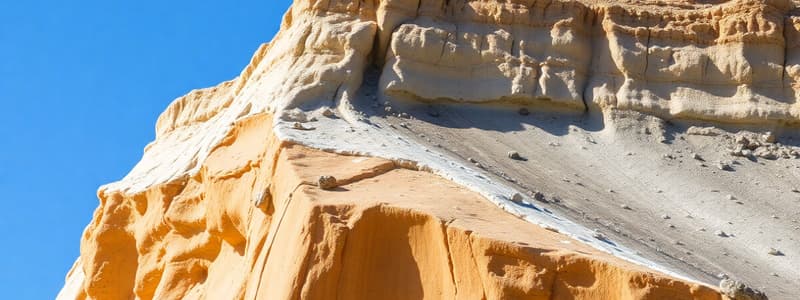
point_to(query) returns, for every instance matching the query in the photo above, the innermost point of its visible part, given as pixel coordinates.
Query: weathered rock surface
(732, 61)
(221, 207)
(388, 232)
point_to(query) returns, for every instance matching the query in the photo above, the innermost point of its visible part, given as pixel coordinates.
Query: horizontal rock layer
(253, 224)
(218, 206)
(733, 61)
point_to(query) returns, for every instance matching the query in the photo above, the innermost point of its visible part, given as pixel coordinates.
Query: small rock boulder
(514, 155)
(775, 252)
(736, 290)
(326, 182)
(517, 198)
(724, 166)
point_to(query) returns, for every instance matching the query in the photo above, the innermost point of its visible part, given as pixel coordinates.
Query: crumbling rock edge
(384, 232)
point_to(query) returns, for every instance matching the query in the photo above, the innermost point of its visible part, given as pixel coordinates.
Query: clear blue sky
(81, 86)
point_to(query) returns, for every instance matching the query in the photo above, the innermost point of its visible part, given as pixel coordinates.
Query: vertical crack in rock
(445, 238)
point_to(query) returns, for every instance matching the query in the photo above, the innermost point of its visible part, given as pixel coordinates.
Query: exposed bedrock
(253, 224)
(734, 61)
(219, 207)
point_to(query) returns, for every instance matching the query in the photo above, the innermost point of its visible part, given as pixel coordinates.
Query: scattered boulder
(599, 235)
(744, 141)
(523, 111)
(765, 153)
(736, 290)
(326, 182)
(721, 233)
(514, 155)
(299, 126)
(774, 252)
(328, 113)
(768, 137)
(517, 198)
(724, 166)
(704, 131)
(761, 145)
(538, 196)
(294, 115)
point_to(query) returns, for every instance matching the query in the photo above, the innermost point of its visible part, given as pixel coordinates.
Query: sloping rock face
(252, 224)
(221, 207)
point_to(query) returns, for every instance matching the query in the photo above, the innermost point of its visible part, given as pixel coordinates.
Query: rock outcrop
(253, 224)
(223, 206)
(733, 61)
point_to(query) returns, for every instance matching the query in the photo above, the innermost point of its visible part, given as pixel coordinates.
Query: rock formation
(253, 224)
(279, 184)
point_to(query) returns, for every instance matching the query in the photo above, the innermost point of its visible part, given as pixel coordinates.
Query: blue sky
(81, 86)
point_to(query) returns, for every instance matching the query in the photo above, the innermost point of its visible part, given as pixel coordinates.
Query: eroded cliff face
(221, 207)
(733, 61)
(253, 224)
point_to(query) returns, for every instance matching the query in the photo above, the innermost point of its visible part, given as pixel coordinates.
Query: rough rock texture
(739, 291)
(733, 61)
(253, 224)
(220, 207)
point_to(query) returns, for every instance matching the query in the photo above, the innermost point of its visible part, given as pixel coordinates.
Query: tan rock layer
(252, 224)
(733, 61)
(736, 61)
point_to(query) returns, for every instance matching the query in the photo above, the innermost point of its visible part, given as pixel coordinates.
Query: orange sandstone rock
(221, 208)
(386, 232)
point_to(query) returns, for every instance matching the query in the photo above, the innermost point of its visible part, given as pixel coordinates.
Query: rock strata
(221, 206)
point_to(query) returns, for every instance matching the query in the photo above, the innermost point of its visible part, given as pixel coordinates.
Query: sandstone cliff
(224, 204)
(253, 224)
(733, 61)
